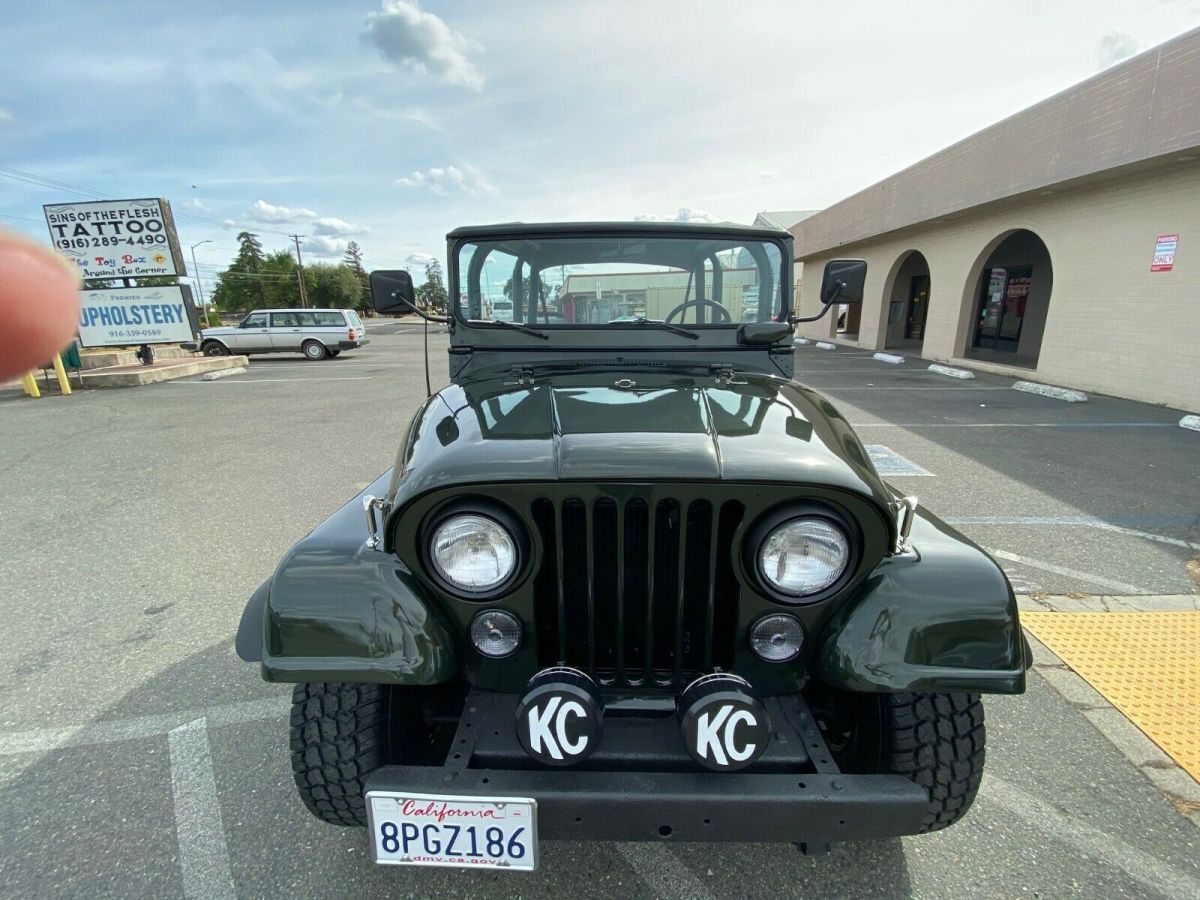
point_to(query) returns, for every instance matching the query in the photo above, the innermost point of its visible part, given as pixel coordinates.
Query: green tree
(353, 260)
(238, 288)
(432, 293)
(336, 286)
(278, 283)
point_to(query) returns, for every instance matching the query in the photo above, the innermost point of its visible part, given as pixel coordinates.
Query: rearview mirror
(392, 291)
(843, 281)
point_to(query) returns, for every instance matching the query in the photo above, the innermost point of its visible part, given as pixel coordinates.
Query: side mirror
(843, 281)
(392, 291)
(756, 334)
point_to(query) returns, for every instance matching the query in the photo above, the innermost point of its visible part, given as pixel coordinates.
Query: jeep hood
(660, 426)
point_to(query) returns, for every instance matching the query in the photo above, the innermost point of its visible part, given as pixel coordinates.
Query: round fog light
(496, 633)
(777, 638)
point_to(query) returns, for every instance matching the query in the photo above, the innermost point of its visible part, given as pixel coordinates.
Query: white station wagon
(317, 333)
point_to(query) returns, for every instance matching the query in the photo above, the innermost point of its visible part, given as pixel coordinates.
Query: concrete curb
(224, 373)
(1192, 423)
(892, 358)
(951, 371)
(1054, 393)
(803, 342)
(825, 345)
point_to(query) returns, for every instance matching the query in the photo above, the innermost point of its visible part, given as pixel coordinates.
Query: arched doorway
(907, 296)
(1011, 300)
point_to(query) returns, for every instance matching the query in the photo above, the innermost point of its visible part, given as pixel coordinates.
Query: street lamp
(199, 283)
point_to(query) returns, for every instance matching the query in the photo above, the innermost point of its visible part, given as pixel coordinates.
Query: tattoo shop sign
(117, 238)
(122, 316)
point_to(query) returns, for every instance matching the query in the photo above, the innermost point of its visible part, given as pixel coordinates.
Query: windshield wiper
(524, 329)
(675, 329)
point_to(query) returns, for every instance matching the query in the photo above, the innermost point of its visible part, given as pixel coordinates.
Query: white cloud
(685, 214)
(196, 203)
(439, 178)
(768, 174)
(328, 225)
(320, 245)
(407, 36)
(1113, 47)
(5, 116)
(229, 223)
(262, 211)
(419, 260)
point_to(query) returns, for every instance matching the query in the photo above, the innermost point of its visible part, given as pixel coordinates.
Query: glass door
(1002, 308)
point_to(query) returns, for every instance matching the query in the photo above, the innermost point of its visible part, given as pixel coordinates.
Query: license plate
(441, 830)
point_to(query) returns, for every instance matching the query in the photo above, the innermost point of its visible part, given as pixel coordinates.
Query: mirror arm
(837, 290)
(440, 320)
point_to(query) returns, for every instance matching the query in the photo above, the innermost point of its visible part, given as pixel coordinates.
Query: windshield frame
(740, 235)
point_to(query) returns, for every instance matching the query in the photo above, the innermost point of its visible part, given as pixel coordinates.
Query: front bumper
(640, 785)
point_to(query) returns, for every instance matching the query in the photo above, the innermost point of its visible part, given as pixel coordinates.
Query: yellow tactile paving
(1147, 664)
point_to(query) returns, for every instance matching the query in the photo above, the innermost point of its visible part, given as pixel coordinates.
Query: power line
(36, 180)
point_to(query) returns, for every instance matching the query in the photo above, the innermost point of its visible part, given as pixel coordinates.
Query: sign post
(117, 238)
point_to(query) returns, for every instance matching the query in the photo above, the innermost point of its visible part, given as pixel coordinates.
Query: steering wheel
(720, 315)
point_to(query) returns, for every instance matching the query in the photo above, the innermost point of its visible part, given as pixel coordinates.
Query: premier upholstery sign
(127, 316)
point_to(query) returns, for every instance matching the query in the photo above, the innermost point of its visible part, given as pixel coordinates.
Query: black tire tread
(338, 734)
(938, 741)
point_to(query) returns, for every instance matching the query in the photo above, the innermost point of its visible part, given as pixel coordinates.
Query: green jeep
(628, 580)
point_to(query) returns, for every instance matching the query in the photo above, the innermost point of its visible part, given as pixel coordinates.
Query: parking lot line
(1088, 522)
(40, 740)
(1118, 586)
(277, 380)
(1161, 877)
(203, 851)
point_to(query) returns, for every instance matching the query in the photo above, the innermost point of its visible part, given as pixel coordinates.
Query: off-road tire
(339, 734)
(937, 740)
(314, 350)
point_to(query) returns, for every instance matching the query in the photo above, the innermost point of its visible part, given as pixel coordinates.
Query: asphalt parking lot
(140, 758)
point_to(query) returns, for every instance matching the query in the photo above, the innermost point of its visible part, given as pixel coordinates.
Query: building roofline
(1141, 109)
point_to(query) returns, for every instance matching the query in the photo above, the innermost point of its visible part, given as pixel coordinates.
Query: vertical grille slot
(636, 593)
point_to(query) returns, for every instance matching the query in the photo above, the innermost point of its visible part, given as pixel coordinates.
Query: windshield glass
(620, 281)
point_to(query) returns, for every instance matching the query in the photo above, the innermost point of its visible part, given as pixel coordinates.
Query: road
(140, 758)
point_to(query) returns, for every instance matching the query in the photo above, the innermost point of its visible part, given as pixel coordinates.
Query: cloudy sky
(391, 123)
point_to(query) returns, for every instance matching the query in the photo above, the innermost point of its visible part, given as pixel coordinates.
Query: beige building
(1061, 245)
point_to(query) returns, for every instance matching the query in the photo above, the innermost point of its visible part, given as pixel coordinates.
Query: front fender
(337, 611)
(940, 619)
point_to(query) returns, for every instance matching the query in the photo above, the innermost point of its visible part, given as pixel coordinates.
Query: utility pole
(300, 272)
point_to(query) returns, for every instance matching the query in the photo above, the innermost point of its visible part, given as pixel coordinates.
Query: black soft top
(660, 229)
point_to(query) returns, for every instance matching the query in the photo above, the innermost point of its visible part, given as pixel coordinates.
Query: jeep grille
(638, 591)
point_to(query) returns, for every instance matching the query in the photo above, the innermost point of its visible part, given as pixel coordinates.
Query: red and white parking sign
(1164, 253)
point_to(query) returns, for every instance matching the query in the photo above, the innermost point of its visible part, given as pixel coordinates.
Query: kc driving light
(496, 633)
(473, 553)
(804, 556)
(776, 638)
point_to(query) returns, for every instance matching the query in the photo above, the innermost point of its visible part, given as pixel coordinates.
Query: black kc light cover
(724, 726)
(560, 718)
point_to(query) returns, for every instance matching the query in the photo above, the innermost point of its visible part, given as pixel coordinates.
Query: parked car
(631, 581)
(317, 333)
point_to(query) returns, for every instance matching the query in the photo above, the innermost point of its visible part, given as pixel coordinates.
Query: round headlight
(495, 633)
(776, 638)
(472, 552)
(804, 556)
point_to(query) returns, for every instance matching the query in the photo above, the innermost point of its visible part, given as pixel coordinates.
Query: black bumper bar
(640, 785)
(685, 806)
